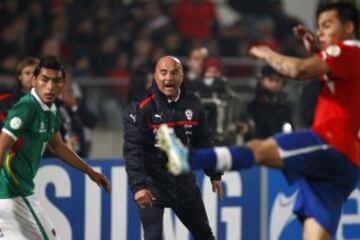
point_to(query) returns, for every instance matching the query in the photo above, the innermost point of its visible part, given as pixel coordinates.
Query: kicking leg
(262, 152)
(266, 152)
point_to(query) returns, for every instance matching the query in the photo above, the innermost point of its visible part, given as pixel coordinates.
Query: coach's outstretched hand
(101, 180)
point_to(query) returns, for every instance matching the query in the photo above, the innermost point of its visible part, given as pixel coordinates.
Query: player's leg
(152, 222)
(9, 226)
(312, 230)
(262, 152)
(41, 217)
(325, 178)
(193, 215)
(22, 218)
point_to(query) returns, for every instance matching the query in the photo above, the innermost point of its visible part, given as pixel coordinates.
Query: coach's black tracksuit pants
(192, 214)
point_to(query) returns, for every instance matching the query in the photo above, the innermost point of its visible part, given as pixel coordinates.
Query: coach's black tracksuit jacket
(145, 163)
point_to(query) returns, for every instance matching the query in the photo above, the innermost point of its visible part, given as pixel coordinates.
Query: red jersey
(337, 115)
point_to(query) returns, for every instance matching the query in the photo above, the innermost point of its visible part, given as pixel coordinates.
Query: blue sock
(242, 157)
(202, 158)
(228, 158)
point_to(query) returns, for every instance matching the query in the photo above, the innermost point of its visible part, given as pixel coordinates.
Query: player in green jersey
(31, 126)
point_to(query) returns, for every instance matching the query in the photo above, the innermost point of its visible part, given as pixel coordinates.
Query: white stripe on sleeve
(9, 133)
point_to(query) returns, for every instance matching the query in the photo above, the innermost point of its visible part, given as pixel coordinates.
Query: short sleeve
(339, 58)
(17, 120)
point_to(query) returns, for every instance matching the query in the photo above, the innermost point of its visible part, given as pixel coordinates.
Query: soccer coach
(154, 188)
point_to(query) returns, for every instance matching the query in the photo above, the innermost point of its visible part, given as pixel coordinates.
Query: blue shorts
(325, 176)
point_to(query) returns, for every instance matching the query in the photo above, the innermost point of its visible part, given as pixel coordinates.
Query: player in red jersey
(324, 160)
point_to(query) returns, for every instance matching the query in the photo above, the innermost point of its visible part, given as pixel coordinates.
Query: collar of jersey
(352, 42)
(177, 98)
(43, 105)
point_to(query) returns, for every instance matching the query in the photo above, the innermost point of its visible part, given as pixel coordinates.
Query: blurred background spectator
(194, 68)
(269, 109)
(22, 85)
(213, 82)
(141, 80)
(82, 119)
(195, 20)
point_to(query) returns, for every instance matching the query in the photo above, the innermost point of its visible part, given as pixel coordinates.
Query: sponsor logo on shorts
(281, 214)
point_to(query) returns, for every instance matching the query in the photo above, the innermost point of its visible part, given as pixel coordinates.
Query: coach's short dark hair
(50, 62)
(346, 11)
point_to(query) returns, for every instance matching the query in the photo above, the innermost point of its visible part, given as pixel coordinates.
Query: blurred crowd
(115, 38)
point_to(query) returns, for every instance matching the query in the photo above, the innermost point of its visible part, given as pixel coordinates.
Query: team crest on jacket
(189, 114)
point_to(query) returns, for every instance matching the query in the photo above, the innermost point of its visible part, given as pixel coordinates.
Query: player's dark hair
(50, 62)
(346, 11)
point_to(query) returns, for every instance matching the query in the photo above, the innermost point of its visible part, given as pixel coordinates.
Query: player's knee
(265, 151)
(255, 145)
(259, 148)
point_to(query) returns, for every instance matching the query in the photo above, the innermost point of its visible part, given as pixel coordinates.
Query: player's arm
(292, 67)
(5, 143)
(62, 151)
(18, 118)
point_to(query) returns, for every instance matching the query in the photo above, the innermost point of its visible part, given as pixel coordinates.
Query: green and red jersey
(31, 123)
